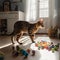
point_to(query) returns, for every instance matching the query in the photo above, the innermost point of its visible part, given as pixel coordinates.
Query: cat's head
(41, 23)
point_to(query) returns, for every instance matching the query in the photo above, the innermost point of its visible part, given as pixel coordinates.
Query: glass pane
(43, 13)
(43, 4)
(43, 8)
(33, 9)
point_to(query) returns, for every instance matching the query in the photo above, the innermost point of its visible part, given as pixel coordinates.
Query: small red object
(36, 44)
(46, 47)
(28, 50)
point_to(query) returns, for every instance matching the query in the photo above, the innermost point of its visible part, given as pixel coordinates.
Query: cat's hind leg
(19, 36)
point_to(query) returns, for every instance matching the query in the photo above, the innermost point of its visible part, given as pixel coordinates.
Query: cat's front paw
(20, 43)
(33, 41)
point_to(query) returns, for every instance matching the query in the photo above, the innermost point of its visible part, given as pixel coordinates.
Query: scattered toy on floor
(22, 51)
(42, 45)
(47, 45)
(28, 50)
(53, 50)
(56, 47)
(16, 51)
(33, 52)
(39, 47)
(52, 45)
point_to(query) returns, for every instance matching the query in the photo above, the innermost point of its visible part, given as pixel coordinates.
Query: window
(31, 13)
(37, 9)
(43, 8)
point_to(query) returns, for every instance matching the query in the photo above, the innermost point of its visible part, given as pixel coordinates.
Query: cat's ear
(41, 20)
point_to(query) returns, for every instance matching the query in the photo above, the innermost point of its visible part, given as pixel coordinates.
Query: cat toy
(28, 50)
(22, 51)
(19, 51)
(55, 48)
(42, 45)
(33, 52)
(47, 45)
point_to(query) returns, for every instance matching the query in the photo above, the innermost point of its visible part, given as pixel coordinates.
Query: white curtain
(31, 10)
(36, 9)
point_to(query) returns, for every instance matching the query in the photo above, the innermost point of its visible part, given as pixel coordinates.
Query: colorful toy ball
(46, 47)
(53, 50)
(33, 52)
(38, 47)
(36, 44)
(42, 47)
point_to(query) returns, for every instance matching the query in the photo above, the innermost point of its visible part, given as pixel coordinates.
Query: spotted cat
(21, 27)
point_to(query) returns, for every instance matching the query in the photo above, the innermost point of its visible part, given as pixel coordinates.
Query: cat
(21, 27)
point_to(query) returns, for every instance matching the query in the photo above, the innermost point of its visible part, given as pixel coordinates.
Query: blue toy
(22, 51)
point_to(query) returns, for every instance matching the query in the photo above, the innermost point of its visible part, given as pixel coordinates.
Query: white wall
(11, 17)
(11, 22)
(58, 9)
(55, 14)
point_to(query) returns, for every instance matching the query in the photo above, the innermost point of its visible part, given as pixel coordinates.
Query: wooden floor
(6, 45)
